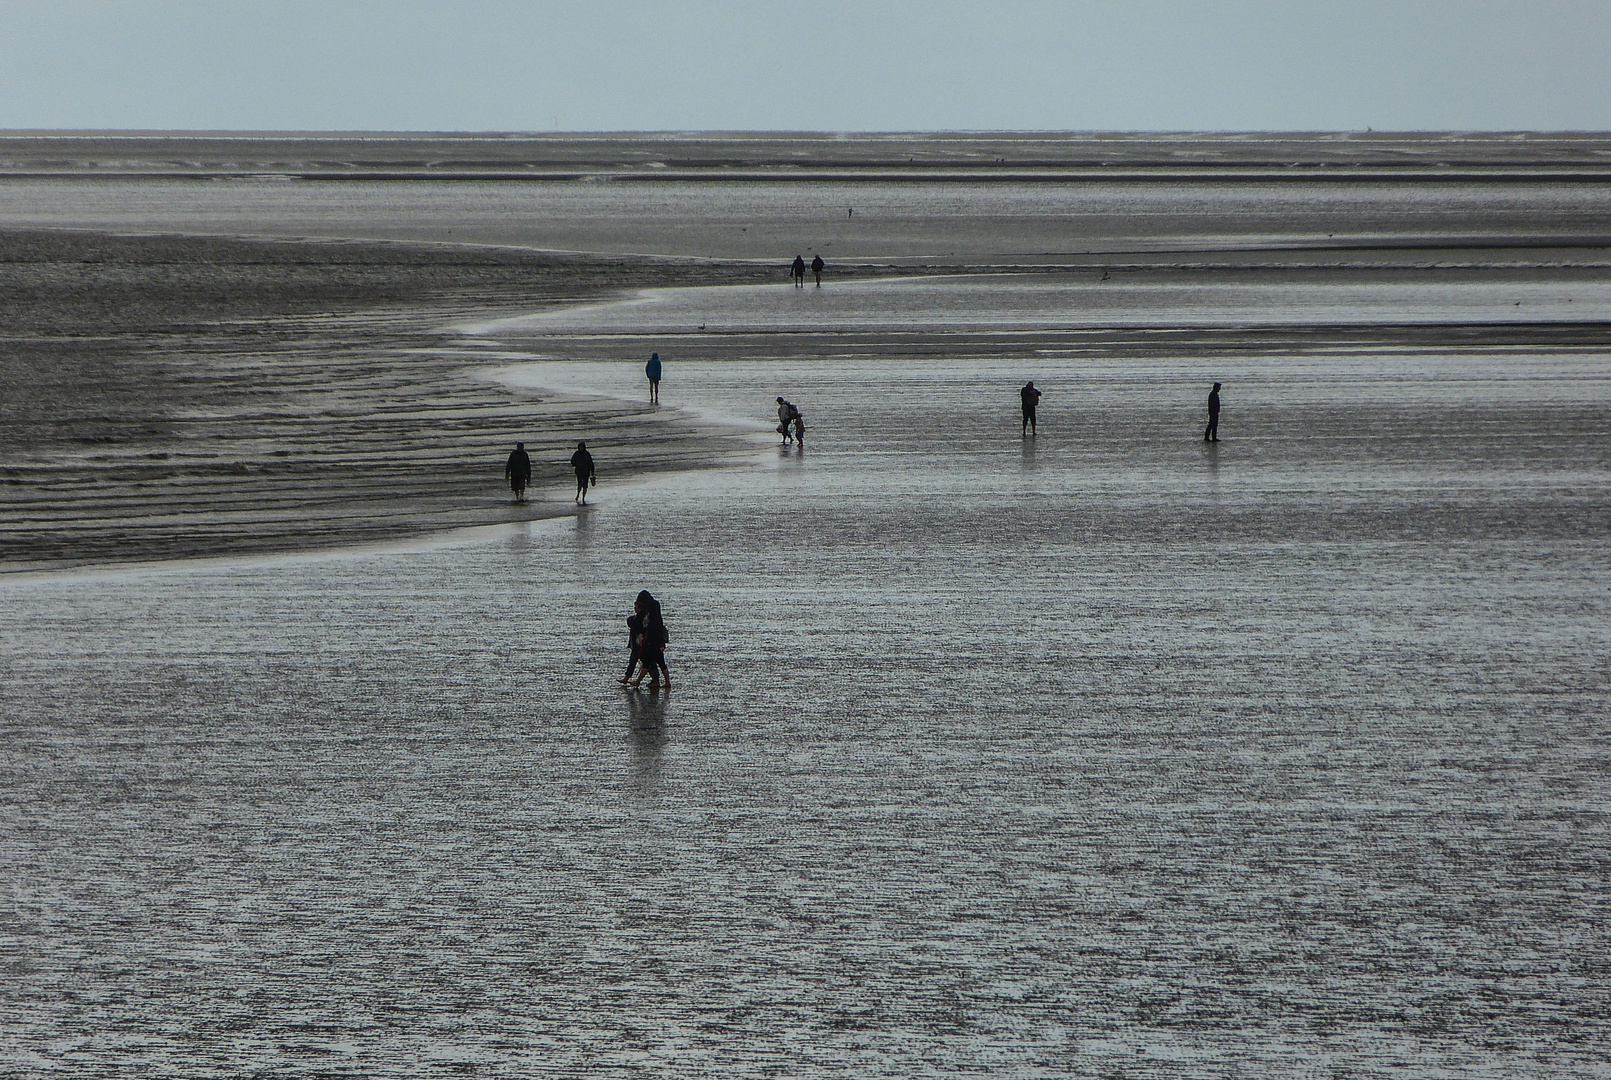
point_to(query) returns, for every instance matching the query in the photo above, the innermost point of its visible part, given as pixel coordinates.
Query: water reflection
(520, 540)
(646, 727)
(583, 530)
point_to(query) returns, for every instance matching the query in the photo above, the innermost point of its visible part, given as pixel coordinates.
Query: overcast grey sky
(806, 65)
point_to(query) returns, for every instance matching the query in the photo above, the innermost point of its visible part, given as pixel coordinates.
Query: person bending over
(652, 369)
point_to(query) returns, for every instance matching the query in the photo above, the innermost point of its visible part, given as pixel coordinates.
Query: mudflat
(169, 396)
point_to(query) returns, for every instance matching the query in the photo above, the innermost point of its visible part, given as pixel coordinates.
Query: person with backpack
(787, 414)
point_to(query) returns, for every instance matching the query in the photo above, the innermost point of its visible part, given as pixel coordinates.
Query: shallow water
(1103, 753)
(998, 303)
(976, 223)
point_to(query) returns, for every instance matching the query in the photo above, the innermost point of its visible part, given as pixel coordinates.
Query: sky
(816, 65)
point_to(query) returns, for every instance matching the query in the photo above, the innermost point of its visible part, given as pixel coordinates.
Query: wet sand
(1108, 752)
(171, 397)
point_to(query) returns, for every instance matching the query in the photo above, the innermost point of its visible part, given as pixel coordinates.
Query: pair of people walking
(647, 638)
(517, 470)
(798, 271)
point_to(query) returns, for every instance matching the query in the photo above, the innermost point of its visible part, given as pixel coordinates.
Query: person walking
(1029, 397)
(652, 369)
(816, 268)
(518, 471)
(797, 272)
(634, 638)
(1211, 433)
(582, 462)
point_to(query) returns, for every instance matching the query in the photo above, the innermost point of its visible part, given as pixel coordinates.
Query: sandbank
(172, 397)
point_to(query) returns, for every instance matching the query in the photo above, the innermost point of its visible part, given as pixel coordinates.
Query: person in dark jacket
(518, 471)
(634, 638)
(652, 369)
(816, 268)
(1029, 397)
(797, 272)
(582, 462)
(1211, 433)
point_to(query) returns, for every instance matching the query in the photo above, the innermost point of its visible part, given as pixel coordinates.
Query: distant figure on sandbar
(797, 272)
(634, 633)
(1211, 433)
(582, 462)
(1030, 397)
(652, 638)
(518, 471)
(816, 268)
(787, 414)
(652, 369)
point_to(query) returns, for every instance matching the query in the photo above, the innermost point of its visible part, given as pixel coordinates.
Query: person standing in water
(797, 272)
(582, 462)
(1211, 433)
(1030, 397)
(518, 471)
(816, 268)
(786, 415)
(634, 638)
(652, 369)
(652, 639)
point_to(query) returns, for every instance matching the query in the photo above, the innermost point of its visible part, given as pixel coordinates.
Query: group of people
(791, 425)
(646, 638)
(646, 627)
(798, 269)
(517, 471)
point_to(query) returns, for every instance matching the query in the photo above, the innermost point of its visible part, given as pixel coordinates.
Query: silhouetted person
(652, 369)
(634, 638)
(799, 428)
(816, 268)
(1030, 397)
(797, 272)
(518, 471)
(1211, 433)
(582, 462)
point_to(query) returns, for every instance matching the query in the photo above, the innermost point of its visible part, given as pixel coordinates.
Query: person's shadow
(646, 719)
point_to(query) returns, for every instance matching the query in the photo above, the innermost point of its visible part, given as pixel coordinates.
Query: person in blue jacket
(652, 369)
